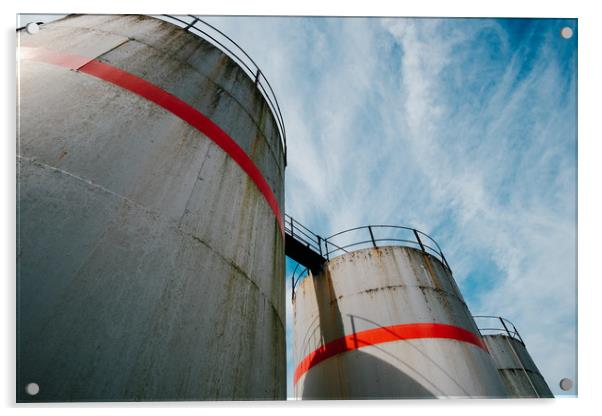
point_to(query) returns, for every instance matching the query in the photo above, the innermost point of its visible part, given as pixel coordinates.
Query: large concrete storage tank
(150, 247)
(514, 363)
(387, 322)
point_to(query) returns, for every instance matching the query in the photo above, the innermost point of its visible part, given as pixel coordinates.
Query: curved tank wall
(387, 322)
(516, 367)
(150, 263)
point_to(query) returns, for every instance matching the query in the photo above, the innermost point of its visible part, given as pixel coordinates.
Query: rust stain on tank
(432, 274)
(62, 155)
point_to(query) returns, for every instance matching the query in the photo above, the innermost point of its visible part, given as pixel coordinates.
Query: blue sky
(463, 128)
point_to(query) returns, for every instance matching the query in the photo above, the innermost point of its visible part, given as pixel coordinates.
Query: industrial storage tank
(150, 246)
(514, 363)
(385, 319)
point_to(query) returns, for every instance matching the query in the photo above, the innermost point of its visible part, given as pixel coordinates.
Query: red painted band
(385, 334)
(167, 101)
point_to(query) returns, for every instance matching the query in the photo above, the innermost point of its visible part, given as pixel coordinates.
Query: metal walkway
(302, 245)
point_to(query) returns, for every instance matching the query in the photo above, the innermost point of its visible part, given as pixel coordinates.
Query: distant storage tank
(387, 322)
(516, 367)
(150, 186)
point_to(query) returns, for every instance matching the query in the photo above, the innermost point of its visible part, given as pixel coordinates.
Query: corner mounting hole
(32, 389)
(566, 384)
(566, 32)
(32, 28)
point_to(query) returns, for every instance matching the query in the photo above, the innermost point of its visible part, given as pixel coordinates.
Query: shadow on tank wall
(372, 368)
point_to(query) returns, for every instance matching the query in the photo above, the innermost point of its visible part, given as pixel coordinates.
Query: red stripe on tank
(384, 334)
(167, 101)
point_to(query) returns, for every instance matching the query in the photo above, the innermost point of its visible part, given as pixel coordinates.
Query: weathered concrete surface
(150, 267)
(380, 287)
(516, 367)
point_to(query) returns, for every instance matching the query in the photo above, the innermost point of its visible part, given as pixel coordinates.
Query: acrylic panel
(428, 245)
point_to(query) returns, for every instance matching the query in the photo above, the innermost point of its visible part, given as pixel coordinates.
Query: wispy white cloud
(512, 196)
(462, 128)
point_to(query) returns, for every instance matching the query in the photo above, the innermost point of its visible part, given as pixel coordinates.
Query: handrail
(330, 247)
(414, 238)
(301, 233)
(209, 32)
(295, 277)
(504, 329)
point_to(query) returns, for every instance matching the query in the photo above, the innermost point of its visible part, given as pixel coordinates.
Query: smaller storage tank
(386, 322)
(515, 366)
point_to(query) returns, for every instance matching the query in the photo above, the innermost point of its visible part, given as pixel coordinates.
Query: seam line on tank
(170, 103)
(150, 211)
(82, 179)
(126, 40)
(401, 286)
(169, 54)
(239, 270)
(240, 104)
